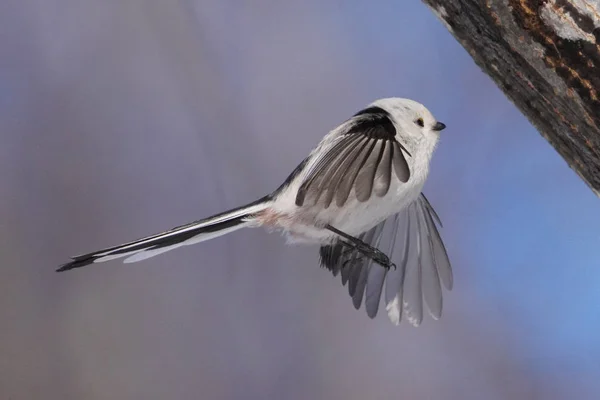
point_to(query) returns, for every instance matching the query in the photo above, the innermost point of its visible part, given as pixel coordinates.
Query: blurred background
(122, 118)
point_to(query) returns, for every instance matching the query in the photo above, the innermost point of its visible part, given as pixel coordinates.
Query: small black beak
(439, 126)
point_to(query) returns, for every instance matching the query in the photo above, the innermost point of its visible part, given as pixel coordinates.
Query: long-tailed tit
(359, 190)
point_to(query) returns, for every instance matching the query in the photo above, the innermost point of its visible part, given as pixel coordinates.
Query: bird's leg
(363, 248)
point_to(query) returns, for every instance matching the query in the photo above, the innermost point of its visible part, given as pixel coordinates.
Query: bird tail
(184, 235)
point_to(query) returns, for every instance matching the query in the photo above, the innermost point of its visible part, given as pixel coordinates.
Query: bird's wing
(362, 157)
(422, 264)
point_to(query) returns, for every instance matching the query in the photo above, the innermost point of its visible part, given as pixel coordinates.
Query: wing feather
(335, 176)
(377, 274)
(342, 191)
(365, 179)
(432, 290)
(361, 158)
(383, 176)
(317, 178)
(400, 165)
(413, 289)
(438, 249)
(422, 266)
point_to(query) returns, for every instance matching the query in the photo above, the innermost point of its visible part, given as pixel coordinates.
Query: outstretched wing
(362, 157)
(422, 264)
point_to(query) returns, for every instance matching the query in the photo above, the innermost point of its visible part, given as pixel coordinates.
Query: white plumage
(359, 188)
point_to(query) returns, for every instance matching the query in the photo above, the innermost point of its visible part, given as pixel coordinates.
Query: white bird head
(415, 124)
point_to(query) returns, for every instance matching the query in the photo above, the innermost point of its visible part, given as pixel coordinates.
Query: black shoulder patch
(372, 110)
(374, 122)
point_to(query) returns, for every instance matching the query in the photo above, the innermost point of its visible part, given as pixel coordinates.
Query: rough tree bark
(544, 55)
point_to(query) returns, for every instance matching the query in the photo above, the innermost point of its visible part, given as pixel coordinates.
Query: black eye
(419, 121)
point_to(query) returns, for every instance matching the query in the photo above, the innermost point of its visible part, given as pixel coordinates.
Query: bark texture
(544, 55)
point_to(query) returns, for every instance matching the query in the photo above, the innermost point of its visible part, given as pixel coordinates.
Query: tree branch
(544, 55)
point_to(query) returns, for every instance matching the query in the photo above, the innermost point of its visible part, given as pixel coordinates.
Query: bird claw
(376, 255)
(383, 260)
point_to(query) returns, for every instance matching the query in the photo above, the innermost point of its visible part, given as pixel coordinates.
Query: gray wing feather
(355, 266)
(365, 179)
(357, 277)
(347, 179)
(373, 238)
(422, 266)
(377, 274)
(400, 165)
(336, 177)
(374, 288)
(437, 245)
(318, 178)
(432, 290)
(395, 280)
(427, 266)
(413, 291)
(360, 285)
(383, 177)
(362, 158)
(345, 268)
(359, 168)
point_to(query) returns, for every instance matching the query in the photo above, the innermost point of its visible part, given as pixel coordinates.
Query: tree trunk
(544, 55)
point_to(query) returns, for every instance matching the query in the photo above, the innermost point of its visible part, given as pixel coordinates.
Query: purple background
(121, 118)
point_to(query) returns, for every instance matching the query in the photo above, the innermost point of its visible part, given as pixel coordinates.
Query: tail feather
(184, 235)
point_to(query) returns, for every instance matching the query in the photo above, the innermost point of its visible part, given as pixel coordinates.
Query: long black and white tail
(184, 235)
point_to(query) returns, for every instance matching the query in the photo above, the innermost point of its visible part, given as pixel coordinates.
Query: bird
(358, 190)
